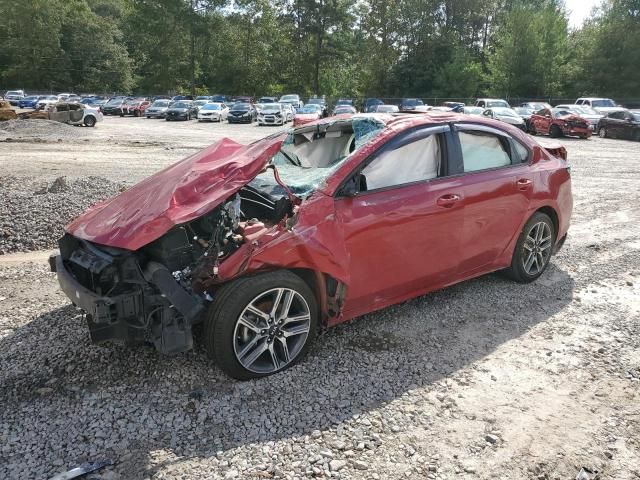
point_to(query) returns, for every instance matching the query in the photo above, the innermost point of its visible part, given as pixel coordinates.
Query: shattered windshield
(310, 155)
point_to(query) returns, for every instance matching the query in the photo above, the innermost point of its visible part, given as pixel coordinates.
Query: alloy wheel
(536, 248)
(272, 330)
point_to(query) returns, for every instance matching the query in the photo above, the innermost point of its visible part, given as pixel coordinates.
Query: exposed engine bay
(157, 293)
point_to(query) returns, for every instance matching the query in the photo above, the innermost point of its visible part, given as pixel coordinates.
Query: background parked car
(586, 112)
(45, 101)
(272, 114)
(322, 103)
(158, 109)
(382, 108)
(289, 111)
(535, 106)
(200, 103)
(29, 102)
(114, 106)
(557, 122)
(412, 105)
(135, 107)
(492, 102)
(600, 105)
(506, 115)
(14, 96)
(267, 100)
(181, 110)
(454, 106)
(370, 104)
(74, 113)
(344, 109)
(621, 124)
(525, 113)
(293, 98)
(213, 112)
(473, 110)
(242, 113)
(307, 114)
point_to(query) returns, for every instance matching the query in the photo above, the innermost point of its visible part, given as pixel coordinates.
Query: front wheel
(555, 131)
(533, 249)
(260, 325)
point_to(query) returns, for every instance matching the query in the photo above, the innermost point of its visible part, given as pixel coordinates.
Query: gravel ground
(487, 379)
(39, 130)
(34, 212)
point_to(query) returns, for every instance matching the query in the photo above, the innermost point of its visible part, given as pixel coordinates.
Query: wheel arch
(551, 213)
(329, 292)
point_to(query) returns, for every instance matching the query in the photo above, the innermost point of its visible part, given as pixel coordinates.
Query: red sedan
(558, 122)
(262, 243)
(307, 114)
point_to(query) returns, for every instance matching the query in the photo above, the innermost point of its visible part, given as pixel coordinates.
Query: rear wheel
(90, 121)
(260, 325)
(533, 249)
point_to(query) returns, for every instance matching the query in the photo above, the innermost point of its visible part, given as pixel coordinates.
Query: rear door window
(483, 150)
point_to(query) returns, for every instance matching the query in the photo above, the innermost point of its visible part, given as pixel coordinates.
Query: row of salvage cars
(261, 244)
(581, 119)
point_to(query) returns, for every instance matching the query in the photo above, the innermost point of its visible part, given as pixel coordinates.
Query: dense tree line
(390, 48)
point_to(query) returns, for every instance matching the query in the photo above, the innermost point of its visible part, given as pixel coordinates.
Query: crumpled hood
(571, 118)
(178, 194)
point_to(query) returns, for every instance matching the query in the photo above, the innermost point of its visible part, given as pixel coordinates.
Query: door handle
(448, 200)
(524, 183)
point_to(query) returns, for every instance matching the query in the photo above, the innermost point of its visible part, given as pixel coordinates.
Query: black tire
(229, 303)
(532, 129)
(90, 121)
(136, 113)
(602, 132)
(517, 270)
(555, 132)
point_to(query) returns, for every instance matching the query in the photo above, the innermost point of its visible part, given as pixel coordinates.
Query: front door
(402, 229)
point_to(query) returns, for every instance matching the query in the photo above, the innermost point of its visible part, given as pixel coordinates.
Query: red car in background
(558, 122)
(307, 114)
(135, 107)
(263, 243)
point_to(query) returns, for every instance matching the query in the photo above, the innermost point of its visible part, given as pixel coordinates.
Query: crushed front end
(150, 294)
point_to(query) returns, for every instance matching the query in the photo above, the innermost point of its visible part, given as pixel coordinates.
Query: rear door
(496, 185)
(402, 228)
(615, 125)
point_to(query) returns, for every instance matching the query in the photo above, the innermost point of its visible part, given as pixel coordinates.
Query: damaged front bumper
(139, 305)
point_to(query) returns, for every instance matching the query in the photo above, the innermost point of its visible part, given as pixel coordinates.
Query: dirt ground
(484, 380)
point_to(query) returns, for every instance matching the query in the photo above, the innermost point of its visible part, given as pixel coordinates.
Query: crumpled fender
(314, 241)
(178, 194)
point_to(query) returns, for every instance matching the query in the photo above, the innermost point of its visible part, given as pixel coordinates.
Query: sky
(579, 10)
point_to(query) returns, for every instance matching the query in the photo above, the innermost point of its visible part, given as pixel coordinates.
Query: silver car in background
(157, 109)
(273, 114)
(213, 112)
